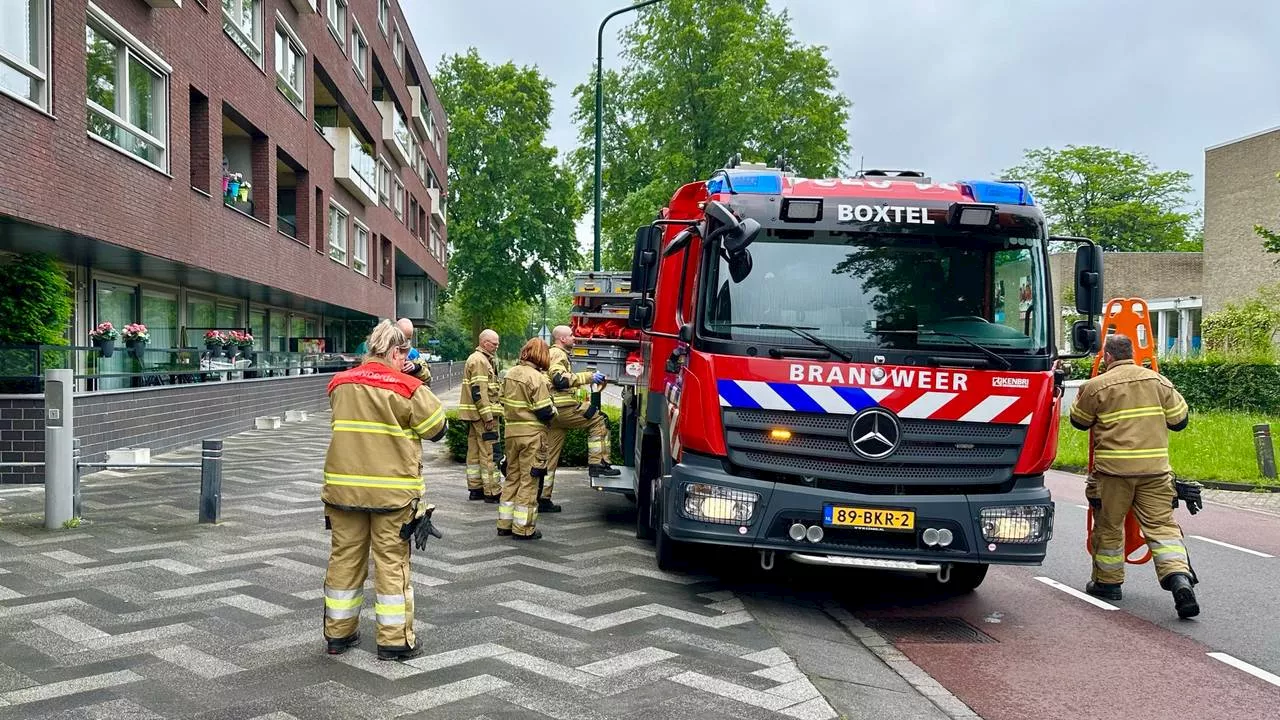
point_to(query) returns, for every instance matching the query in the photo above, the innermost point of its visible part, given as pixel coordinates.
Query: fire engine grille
(931, 452)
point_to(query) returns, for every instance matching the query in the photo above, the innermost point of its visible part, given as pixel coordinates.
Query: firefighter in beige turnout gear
(479, 408)
(1131, 410)
(526, 400)
(373, 488)
(572, 413)
(414, 366)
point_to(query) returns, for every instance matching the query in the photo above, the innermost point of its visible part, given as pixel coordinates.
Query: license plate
(870, 518)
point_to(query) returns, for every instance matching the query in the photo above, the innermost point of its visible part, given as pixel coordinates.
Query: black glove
(1189, 493)
(420, 528)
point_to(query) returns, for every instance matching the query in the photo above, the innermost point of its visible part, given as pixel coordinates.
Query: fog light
(945, 537)
(929, 536)
(780, 434)
(796, 532)
(814, 534)
(1017, 524)
(716, 504)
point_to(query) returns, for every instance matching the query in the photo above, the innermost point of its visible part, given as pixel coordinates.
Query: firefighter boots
(546, 506)
(476, 494)
(603, 469)
(400, 652)
(1106, 591)
(337, 646)
(1184, 597)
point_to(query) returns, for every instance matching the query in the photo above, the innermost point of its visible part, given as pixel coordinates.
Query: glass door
(116, 304)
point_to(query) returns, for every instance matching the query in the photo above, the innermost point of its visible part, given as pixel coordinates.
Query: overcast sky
(959, 89)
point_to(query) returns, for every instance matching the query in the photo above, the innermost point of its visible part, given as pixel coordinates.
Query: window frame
(397, 46)
(335, 9)
(37, 74)
(357, 228)
(397, 197)
(332, 246)
(292, 38)
(130, 48)
(233, 30)
(384, 14)
(384, 181)
(360, 62)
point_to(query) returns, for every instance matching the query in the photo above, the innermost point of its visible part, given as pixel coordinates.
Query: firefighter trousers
(1151, 499)
(518, 507)
(482, 474)
(354, 535)
(573, 417)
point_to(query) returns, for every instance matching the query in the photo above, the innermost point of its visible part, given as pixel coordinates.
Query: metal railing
(22, 367)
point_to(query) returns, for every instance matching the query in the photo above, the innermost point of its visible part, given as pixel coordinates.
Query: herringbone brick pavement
(143, 613)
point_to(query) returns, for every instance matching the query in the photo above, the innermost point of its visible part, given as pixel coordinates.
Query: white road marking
(1076, 593)
(1233, 547)
(1242, 665)
(1082, 507)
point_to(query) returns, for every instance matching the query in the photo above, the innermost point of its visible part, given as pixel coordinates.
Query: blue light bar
(1000, 193)
(756, 183)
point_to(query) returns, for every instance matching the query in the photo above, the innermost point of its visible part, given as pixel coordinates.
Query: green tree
(512, 205)
(702, 80)
(35, 301)
(1117, 199)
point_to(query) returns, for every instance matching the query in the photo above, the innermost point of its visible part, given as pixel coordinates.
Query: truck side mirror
(640, 314)
(645, 258)
(740, 265)
(1085, 338)
(1089, 280)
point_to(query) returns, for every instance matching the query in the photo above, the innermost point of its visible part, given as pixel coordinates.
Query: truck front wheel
(965, 578)
(666, 550)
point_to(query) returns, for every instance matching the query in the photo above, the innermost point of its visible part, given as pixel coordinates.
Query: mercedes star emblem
(875, 433)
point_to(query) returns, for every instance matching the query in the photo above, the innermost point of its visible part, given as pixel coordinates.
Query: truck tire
(965, 578)
(644, 522)
(666, 551)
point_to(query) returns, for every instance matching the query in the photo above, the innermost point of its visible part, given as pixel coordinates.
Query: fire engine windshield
(881, 290)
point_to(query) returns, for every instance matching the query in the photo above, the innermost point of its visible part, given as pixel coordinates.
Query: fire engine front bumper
(703, 503)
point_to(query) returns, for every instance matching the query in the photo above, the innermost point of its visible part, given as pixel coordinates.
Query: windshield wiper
(998, 358)
(801, 331)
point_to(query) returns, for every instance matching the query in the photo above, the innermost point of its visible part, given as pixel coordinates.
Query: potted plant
(214, 340)
(136, 338)
(233, 187)
(104, 338)
(244, 191)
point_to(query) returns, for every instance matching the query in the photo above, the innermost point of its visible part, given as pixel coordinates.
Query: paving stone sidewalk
(143, 613)
(1267, 502)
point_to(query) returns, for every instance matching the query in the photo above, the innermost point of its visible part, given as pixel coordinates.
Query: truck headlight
(716, 504)
(1017, 524)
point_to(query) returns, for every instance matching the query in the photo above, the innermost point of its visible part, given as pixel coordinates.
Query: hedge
(1217, 383)
(575, 441)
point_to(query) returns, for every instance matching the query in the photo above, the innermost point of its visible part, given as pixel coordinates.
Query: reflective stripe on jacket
(526, 399)
(480, 388)
(380, 418)
(1130, 410)
(564, 379)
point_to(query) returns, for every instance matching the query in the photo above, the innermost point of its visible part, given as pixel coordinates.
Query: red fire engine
(850, 372)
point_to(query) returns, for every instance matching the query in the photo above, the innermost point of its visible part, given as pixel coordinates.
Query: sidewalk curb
(913, 674)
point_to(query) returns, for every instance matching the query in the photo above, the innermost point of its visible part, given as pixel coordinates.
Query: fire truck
(851, 372)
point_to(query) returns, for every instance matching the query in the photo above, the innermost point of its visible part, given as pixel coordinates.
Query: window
(127, 91)
(337, 17)
(359, 52)
(360, 249)
(397, 48)
(384, 12)
(242, 21)
(398, 198)
(384, 181)
(24, 50)
(338, 232)
(290, 53)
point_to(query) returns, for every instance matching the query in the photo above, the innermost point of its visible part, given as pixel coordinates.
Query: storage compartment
(612, 360)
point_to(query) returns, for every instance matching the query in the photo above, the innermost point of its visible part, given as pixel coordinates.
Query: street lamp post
(600, 117)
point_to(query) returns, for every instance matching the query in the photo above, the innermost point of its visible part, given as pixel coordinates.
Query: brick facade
(71, 181)
(1240, 191)
(1147, 275)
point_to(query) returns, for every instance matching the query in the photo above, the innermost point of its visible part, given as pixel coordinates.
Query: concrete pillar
(59, 457)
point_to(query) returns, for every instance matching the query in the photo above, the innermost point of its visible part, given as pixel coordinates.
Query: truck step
(624, 483)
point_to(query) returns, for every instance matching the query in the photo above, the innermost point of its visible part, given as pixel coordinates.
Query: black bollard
(1265, 450)
(210, 481)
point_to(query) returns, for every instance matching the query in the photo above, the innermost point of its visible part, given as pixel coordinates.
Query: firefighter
(571, 413)
(479, 408)
(414, 364)
(373, 492)
(526, 399)
(1131, 410)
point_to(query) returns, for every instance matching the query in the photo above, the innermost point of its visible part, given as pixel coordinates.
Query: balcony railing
(396, 133)
(420, 109)
(437, 205)
(354, 167)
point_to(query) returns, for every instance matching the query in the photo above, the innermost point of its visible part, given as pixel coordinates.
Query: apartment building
(276, 165)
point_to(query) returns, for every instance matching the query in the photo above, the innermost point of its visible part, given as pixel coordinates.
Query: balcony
(396, 133)
(437, 209)
(162, 4)
(421, 111)
(302, 6)
(354, 166)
